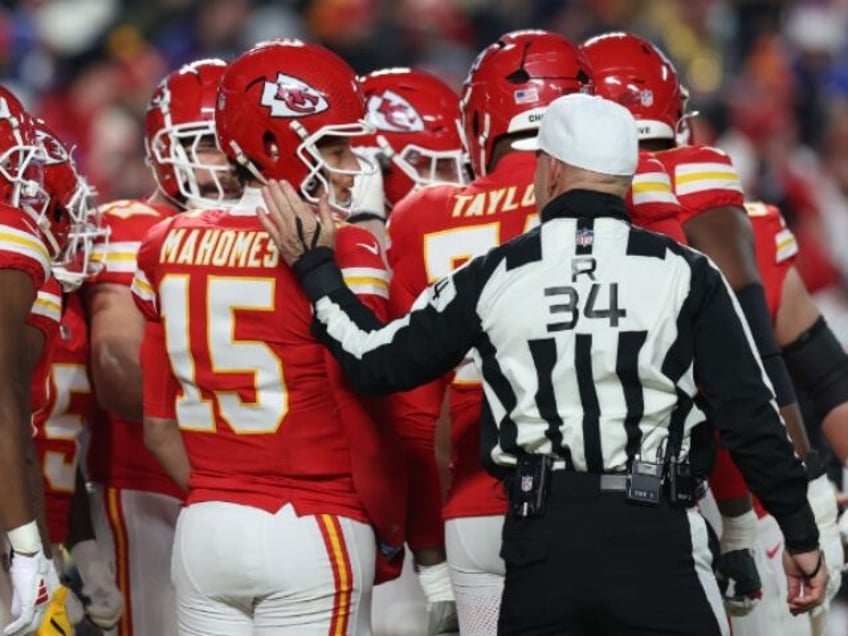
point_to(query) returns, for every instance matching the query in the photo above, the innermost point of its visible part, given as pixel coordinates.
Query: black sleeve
(741, 405)
(752, 300)
(818, 364)
(421, 346)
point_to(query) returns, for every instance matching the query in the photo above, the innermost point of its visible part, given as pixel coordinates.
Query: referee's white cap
(590, 132)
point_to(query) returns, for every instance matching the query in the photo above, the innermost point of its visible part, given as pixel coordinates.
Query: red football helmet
(633, 72)
(70, 221)
(277, 102)
(510, 84)
(21, 159)
(180, 119)
(416, 116)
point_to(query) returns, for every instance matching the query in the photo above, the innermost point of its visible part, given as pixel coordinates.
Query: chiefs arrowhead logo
(291, 97)
(393, 113)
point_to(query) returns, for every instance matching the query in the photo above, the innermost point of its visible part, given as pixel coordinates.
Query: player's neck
(159, 198)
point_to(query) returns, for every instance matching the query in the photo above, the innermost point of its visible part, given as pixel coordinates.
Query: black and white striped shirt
(594, 340)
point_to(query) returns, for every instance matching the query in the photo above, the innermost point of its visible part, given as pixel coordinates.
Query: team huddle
(233, 482)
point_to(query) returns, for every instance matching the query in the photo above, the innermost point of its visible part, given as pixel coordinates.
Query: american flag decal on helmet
(526, 95)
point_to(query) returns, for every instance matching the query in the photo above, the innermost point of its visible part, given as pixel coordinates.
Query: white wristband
(25, 539)
(739, 533)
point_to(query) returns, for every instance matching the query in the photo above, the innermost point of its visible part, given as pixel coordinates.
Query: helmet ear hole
(518, 76)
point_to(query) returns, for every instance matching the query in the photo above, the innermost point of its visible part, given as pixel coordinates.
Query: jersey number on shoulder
(227, 355)
(60, 467)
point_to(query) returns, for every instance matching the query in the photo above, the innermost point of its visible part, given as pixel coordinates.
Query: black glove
(739, 581)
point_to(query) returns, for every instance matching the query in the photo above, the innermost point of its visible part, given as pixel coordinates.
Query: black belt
(564, 481)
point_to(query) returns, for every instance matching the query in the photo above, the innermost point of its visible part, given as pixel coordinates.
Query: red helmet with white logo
(633, 72)
(71, 221)
(180, 119)
(21, 159)
(510, 84)
(278, 101)
(416, 117)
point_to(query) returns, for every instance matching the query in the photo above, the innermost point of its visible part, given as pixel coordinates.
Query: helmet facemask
(321, 173)
(186, 148)
(74, 265)
(425, 166)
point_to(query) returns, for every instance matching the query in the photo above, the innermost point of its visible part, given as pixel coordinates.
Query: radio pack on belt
(646, 481)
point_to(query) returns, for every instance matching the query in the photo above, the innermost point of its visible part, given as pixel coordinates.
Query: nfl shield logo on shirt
(526, 483)
(585, 237)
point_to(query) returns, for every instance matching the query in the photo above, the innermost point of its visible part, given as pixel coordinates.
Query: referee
(601, 347)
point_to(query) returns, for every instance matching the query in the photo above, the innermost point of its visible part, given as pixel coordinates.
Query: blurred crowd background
(769, 78)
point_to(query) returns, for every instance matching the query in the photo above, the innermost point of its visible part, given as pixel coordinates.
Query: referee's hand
(293, 224)
(806, 577)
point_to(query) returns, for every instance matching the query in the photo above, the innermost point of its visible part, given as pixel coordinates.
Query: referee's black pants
(596, 564)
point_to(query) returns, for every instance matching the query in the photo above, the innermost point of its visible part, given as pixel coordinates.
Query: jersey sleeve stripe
(12, 240)
(142, 289)
(707, 184)
(361, 289)
(49, 306)
(644, 198)
(688, 169)
(117, 257)
(365, 272)
(786, 245)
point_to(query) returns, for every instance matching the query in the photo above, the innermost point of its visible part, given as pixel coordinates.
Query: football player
(280, 459)
(434, 230)
(30, 240)
(416, 141)
(68, 398)
(417, 144)
(136, 503)
(632, 71)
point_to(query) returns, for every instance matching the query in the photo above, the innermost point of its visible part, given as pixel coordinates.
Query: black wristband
(359, 217)
(318, 273)
(800, 532)
(818, 566)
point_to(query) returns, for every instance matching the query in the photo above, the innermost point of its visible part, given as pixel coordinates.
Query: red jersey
(776, 249)
(117, 456)
(651, 201)
(45, 315)
(703, 177)
(265, 415)
(69, 408)
(431, 233)
(22, 246)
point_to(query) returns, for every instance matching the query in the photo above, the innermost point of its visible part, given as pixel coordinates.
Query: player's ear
(554, 172)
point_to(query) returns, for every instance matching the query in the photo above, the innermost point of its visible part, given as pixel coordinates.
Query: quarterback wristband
(318, 273)
(25, 539)
(359, 217)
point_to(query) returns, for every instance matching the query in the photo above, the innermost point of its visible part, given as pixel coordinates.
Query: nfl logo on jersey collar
(584, 237)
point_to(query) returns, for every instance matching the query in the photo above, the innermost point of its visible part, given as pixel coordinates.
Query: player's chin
(344, 197)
